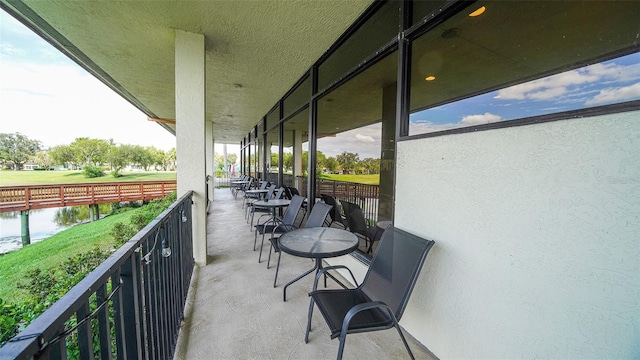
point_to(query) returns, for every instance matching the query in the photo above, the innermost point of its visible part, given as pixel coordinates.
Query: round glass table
(316, 243)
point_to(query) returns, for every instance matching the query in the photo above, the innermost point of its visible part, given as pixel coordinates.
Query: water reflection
(43, 223)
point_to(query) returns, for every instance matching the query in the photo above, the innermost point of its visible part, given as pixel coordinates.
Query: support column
(24, 221)
(387, 153)
(190, 132)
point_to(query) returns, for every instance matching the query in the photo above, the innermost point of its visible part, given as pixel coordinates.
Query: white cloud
(485, 118)
(545, 88)
(51, 99)
(611, 95)
(563, 84)
(364, 138)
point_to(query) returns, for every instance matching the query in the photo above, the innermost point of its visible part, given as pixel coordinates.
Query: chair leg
(342, 339)
(404, 341)
(269, 258)
(275, 279)
(306, 335)
(261, 246)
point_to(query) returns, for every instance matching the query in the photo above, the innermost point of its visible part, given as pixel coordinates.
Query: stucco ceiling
(255, 50)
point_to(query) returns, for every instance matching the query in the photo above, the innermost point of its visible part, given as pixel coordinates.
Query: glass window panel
(273, 117)
(299, 97)
(424, 8)
(350, 137)
(381, 28)
(273, 142)
(523, 59)
(296, 133)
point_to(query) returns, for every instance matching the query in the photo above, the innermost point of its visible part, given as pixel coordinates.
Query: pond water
(43, 223)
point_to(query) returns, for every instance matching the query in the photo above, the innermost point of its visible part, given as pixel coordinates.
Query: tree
(170, 159)
(287, 161)
(320, 159)
(348, 161)
(17, 148)
(88, 151)
(119, 157)
(63, 155)
(158, 157)
(369, 166)
(141, 156)
(43, 159)
(232, 158)
(331, 164)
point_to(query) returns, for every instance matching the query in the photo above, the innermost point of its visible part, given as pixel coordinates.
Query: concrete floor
(234, 312)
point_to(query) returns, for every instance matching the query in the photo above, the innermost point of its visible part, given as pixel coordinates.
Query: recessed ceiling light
(478, 12)
(430, 78)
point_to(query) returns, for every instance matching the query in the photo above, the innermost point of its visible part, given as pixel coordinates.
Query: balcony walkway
(234, 312)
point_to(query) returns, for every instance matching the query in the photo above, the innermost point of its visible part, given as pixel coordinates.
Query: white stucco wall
(537, 232)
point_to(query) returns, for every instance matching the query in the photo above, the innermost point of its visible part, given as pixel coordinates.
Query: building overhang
(255, 50)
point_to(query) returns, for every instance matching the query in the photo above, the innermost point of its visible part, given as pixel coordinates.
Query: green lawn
(51, 252)
(361, 179)
(27, 177)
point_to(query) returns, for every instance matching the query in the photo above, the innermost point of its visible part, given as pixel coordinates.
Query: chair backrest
(395, 267)
(279, 193)
(335, 211)
(346, 207)
(317, 215)
(355, 218)
(289, 192)
(294, 191)
(270, 191)
(291, 213)
(263, 185)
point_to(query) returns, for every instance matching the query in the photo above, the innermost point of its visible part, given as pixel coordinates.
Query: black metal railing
(365, 195)
(129, 307)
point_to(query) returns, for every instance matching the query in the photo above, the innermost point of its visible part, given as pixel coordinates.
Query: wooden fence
(18, 198)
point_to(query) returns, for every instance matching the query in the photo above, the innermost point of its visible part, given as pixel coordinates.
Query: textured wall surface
(537, 232)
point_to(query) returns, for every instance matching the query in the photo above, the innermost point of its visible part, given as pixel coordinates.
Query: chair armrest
(282, 226)
(361, 307)
(334, 267)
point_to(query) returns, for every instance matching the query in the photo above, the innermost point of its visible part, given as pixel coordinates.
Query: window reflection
(352, 143)
(272, 155)
(295, 137)
(555, 56)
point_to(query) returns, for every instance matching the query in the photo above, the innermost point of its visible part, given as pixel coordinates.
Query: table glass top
(318, 242)
(273, 203)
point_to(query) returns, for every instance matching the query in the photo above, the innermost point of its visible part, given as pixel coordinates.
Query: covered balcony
(234, 312)
(506, 131)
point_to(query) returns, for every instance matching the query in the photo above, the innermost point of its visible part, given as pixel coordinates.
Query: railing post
(130, 300)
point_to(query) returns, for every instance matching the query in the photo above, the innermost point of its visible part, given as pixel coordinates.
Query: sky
(47, 97)
(609, 82)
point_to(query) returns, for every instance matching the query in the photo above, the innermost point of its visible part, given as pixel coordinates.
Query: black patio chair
(378, 303)
(336, 216)
(254, 197)
(279, 225)
(358, 225)
(316, 218)
(265, 211)
(249, 208)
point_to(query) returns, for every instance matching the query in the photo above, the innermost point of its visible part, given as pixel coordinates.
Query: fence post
(130, 299)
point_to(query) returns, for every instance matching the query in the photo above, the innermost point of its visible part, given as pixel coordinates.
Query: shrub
(45, 288)
(93, 171)
(121, 233)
